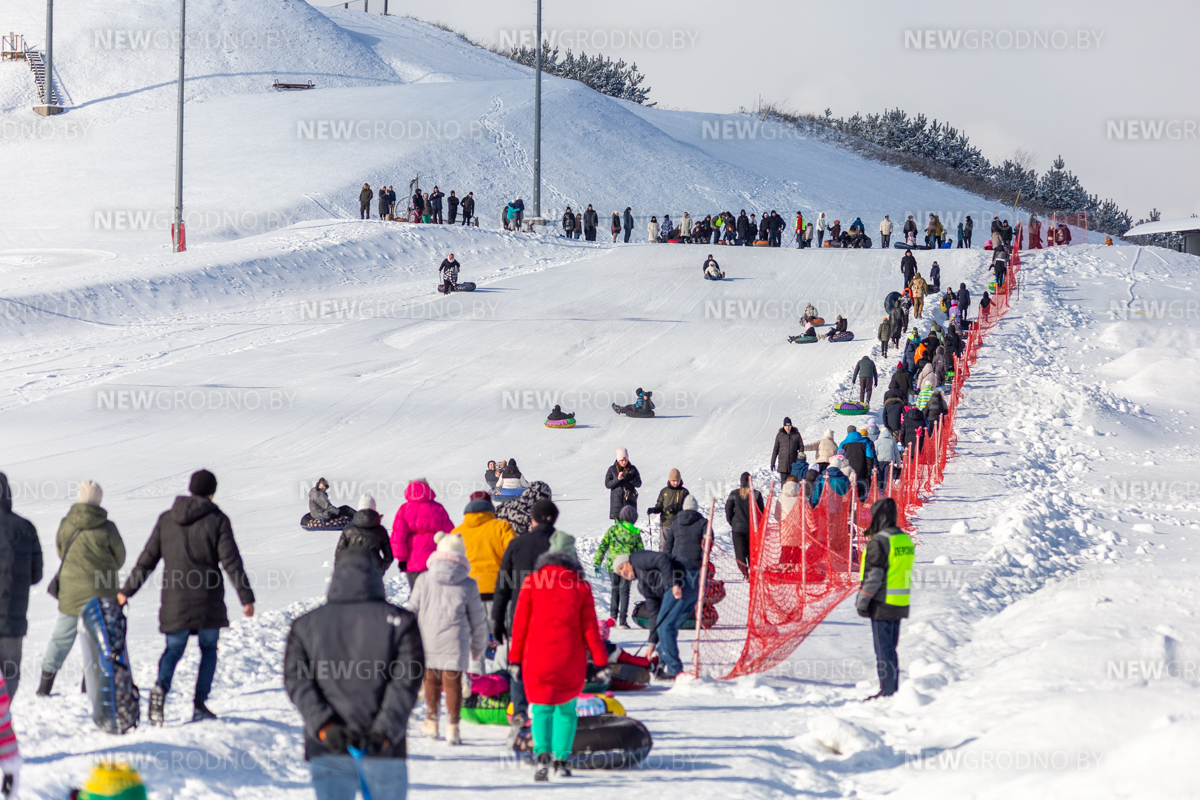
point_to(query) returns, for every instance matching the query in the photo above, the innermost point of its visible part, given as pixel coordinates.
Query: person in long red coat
(553, 630)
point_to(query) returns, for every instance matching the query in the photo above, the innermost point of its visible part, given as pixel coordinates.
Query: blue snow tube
(109, 680)
(890, 301)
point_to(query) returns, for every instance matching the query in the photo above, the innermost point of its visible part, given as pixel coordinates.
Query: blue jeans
(887, 663)
(336, 777)
(61, 641)
(671, 618)
(176, 644)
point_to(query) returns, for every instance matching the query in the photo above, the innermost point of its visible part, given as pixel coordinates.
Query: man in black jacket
(622, 481)
(903, 381)
(590, 220)
(435, 205)
(519, 562)
(20, 568)
(468, 208)
(788, 445)
(737, 514)
(451, 208)
(884, 594)
(627, 222)
(194, 539)
(353, 668)
(868, 378)
(364, 201)
(908, 266)
(366, 534)
(674, 584)
(743, 226)
(684, 539)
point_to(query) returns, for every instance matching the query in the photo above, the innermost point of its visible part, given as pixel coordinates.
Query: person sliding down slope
(644, 407)
(712, 270)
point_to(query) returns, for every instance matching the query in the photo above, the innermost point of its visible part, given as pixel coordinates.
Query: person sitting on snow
(557, 415)
(643, 407)
(319, 507)
(839, 326)
(810, 313)
(712, 270)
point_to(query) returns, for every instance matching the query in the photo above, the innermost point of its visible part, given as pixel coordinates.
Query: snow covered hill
(1053, 643)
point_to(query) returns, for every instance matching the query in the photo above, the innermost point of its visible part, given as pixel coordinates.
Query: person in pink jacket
(417, 522)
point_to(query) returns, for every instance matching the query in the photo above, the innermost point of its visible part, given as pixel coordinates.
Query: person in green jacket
(670, 502)
(90, 568)
(621, 539)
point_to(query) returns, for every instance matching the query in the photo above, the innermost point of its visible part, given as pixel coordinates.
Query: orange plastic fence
(805, 562)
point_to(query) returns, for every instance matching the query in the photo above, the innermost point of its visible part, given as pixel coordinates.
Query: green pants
(554, 729)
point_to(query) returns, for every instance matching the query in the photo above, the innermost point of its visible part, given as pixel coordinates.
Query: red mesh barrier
(803, 565)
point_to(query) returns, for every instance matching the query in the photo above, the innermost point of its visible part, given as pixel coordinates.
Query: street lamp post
(537, 126)
(178, 240)
(48, 106)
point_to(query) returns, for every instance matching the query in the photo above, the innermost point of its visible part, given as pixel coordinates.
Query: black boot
(543, 768)
(47, 684)
(561, 768)
(200, 712)
(158, 701)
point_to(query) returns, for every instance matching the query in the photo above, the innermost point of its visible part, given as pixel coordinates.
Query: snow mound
(829, 737)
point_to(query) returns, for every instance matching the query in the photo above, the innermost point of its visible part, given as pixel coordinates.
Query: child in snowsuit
(622, 538)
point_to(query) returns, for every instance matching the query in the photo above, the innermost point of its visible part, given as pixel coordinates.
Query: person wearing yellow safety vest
(886, 574)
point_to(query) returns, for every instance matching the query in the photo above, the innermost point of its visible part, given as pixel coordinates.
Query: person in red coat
(553, 631)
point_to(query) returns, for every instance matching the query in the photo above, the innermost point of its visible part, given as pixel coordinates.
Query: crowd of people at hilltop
(432, 208)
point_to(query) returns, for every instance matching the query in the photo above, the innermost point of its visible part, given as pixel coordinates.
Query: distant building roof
(1164, 226)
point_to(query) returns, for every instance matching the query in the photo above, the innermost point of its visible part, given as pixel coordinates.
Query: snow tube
(802, 339)
(112, 781)
(634, 411)
(890, 301)
(335, 524)
(483, 710)
(607, 741)
(109, 680)
(813, 321)
(851, 408)
(561, 423)
(710, 617)
(504, 495)
(629, 678)
(844, 336)
(466, 286)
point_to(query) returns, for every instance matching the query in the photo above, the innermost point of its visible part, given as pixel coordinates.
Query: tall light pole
(178, 241)
(537, 123)
(48, 106)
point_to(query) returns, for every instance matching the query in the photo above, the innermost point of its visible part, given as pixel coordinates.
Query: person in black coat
(913, 431)
(367, 709)
(622, 481)
(490, 476)
(20, 568)
(519, 562)
(902, 380)
(627, 220)
(737, 514)
(908, 266)
(591, 220)
(685, 538)
(743, 225)
(964, 300)
(788, 443)
(365, 534)
(451, 208)
(893, 412)
(468, 208)
(194, 540)
(670, 588)
(871, 601)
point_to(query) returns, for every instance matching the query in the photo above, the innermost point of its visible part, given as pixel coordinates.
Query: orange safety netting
(803, 565)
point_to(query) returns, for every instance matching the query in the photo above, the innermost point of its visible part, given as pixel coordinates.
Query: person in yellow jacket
(883, 597)
(485, 538)
(919, 289)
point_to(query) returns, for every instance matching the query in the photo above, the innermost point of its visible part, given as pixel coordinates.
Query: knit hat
(622, 454)
(850, 429)
(627, 514)
(367, 503)
(618, 560)
(480, 496)
(674, 475)
(203, 483)
(690, 504)
(90, 493)
(450, 543)
(478, 505)
(787, 420)
(545, 512)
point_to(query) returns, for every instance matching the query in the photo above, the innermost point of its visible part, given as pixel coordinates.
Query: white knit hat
(90, 493)
(450, 543)
(622, 454)
(366, 502)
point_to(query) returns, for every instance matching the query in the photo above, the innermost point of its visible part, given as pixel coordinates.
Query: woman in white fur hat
(453, 628)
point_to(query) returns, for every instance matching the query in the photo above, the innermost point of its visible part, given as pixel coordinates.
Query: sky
(1054, 78)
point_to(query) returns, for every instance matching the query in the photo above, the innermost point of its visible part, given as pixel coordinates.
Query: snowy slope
(1075, 479)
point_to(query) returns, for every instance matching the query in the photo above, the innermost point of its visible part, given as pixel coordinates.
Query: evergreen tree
(615, 79)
